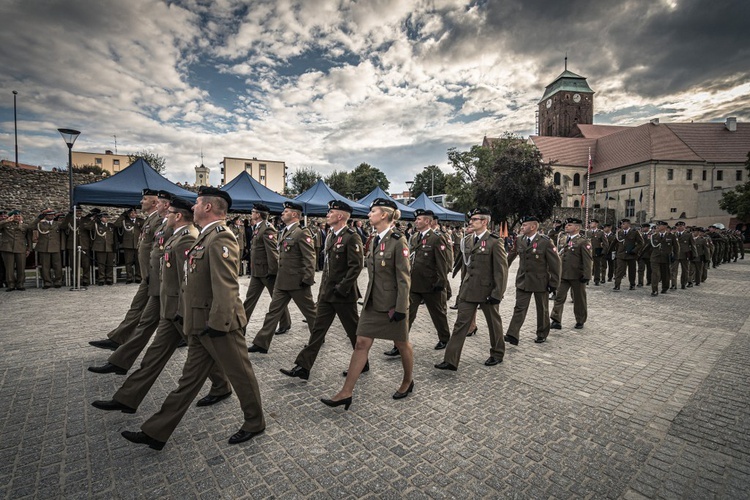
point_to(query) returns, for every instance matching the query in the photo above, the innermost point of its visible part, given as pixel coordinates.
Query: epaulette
(185, 231)
(220, 228)
(396, 236)
(268, 224)
(544, 236)
(350, 230)
(496, 236)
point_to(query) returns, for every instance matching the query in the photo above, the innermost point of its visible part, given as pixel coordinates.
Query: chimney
(731, 124)
(654, 121)
(108, 152)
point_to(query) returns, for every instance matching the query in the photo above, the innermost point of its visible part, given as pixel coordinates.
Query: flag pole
(588, 186)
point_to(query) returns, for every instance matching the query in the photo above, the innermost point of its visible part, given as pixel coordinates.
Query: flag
(583, 197)
(606, 196)
(640, 198)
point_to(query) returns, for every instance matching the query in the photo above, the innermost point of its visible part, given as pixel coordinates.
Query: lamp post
(70, 136)
(15, 123)
(408, 186)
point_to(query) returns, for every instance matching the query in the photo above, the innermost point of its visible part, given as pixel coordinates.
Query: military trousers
(132, 269)
(254, 290)
(622, 266)
(437, 306)
(127, 326)
(15, 269)
(660, 272)
(600, 269)
(127, 353)
(611, 264)
(674, 267)
(696, 268)
(105, 263)
(466, 313)
(51, 263)
(229, 352)
(704, 273)
(279, 301)
(644, 268)
(85, 264)
(523, 298)
(168, 336)
(325, 314)
(580, 306)
(684, 266)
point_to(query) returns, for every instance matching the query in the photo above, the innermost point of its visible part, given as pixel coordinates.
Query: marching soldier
(296, 277)
(483, 287)
(538, 273)
(128, 226)
(599, 245)
(665, 251)
(214, 321)
(629, 244)
(338, 292)
(239, 232)
(577, 264)
(644, 256)
(685, 256)
(48, 248)
(611, 251)
(15, 247)
(700, 255)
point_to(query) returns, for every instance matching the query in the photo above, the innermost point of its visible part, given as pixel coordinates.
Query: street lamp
(70, 136)
(408, 186)
(15, 123)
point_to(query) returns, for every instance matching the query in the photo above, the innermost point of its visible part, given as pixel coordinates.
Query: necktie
(476, 239)
(377, 240)
(568, 240)
(528, 242)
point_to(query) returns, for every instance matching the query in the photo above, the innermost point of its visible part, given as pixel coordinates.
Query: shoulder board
(350, 230)
(496, 236)
(544, 236)
(269, 225)
(396, 236)
(185, 231)
(220, 229)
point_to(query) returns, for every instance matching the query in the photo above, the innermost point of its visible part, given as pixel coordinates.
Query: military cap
(557, 221)
(260, 207)
(383, 202)
(165, 195)
(606, 225)
(594, 220)
(573, 220)
(95, 211)
(47, 211)
(150, 192)
(14, 212)
(661, 223)
(480, 211)
(103, 215)
(624, 220)
(339, 205)
(701, 229)
(212, 191)
(427, 213)
(293, 206)
(679, 223)
(529, 218)
(181, 203)
(646, 224)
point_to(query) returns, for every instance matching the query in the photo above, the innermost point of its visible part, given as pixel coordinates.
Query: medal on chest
(483, 246)
(166, 259)
(382, 252)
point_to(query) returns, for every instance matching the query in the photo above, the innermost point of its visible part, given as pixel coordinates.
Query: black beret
(14, 212)
(529, 218)
(165, 195)
(646, 224)
(47, 211)
(625, 220)
(606, 226)
(383, 202)
(339, 205)
(557, 221)
(573, 220)
(679, 223)
(428, 213)
(212, 191)
(95, 211)
(150, 192)
(293, 206)
(661, 223)
(594, 220)
(260, 207)
(480, 211)
(2, 212)
(181, 203)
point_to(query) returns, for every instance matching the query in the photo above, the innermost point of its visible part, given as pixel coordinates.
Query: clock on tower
(567, 101)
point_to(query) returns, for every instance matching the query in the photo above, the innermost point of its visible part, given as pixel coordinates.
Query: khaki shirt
(577, 260)
(264, 251)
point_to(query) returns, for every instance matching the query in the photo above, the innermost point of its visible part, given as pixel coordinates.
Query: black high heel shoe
(473, 331)
(347, 402)
(401, 395)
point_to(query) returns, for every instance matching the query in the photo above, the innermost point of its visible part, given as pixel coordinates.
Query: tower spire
(566, 60)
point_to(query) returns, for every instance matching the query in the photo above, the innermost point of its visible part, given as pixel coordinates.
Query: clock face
(576, 97)
(549, 103)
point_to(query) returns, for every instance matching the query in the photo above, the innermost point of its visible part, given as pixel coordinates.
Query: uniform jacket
(151, 223)
(687, 245)
(665, 248)
(83, 236)
(297, 261)
(102, 236)
(211, 295)
(389, 273)
(430, 261)
(16, 237)
(264, 251)
(611, 245)
(129, 231)
(343, 263)
(161, 237)
(239, 233)
(646, 249)
(599, 243)
(173, 271)
(577, 260)
(486, 269)
(48, 236)
(630, 244)
(702, 252)
(539, 264)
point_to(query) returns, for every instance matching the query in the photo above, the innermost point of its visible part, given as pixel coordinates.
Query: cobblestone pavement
(649, 400)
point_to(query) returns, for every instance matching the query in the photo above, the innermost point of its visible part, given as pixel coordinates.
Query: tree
(90, 169)
(365, 178)
(303, 179)
(737, 201)
(423, 182)
(460, 185)
(157, 162)
(340, 181)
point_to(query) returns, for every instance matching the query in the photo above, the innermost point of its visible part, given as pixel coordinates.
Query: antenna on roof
(115, 143)
(201, 156)
(566, 60)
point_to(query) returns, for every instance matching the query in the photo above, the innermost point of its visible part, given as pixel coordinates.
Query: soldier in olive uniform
(130, 395)
(644, 256)
(129, 230)
(483, 287)
(700, 256)
(684, 258)
(214, 321)
(103, 246)
(338, 292)
(48, 248)
(15, 247)
(264, 264)
(82, 241)
(296, 277)
(629, 244)
(599, 246)
(538, 274)
(611, 252)
(665, 251)
(239, 232)
(556, 230)
(577, 265)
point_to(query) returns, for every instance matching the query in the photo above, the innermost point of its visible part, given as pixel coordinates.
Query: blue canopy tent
(407, 213)
(125, 188)
(246, 191)
(424, 202)
(315, 201)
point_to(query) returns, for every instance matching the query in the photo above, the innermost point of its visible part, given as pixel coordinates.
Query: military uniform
(103, 246)
(83, 240)
(685, 256)
(14, 246)
(48, 248)
(665, 251)
(538, 273)
(629, 244)
(129, 231)
(610, 254)
(599, 246)
(644, 260)
(296, 277)
(699, 258)
(577, 265)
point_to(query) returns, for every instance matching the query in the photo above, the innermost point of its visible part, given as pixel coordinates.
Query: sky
(330, 84)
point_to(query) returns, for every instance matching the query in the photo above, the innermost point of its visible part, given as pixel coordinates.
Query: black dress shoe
(697, 284)
(446, 366)
(492, 361)
(241, 436)
(297, 371)
(142, 438)
(108, 368)
(402, 395)
(632, 287)
(474, 331)
(392, 352)
(578, 326)
(654, 293)
(454, 306)
(510, 340)
(616, 289)
(639, 285)
(540, 340)
(112, 405)
(57, 286)
(99, 283)
(182, 343)
(346, 402)
(555, 325)
(21, 289)
(440, 345)
(212, 400)
(663, 290)
(690, 285)
(365, 369)
(105, 344)
(255, 348)
(282, 330)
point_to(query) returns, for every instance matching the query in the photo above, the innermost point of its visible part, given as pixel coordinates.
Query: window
(623, 178)
(637, 177)
(97, 161)
(263, 177)
(670, 174)
(719, 175)
(705, 175)
(262, 167)
(592, 185)
(577, 180)
(557, 178)
(629, 208)
(604, 183)
(738, 175)
(689, 174)
(673, 210)
(116, 163)
(597, 205)
(576, 203)
(249, 168)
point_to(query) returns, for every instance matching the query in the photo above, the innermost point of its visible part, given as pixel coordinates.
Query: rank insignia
(405, 252)
(225, 252)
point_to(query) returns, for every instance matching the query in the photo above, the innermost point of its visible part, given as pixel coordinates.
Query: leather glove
(583, 280)
(551, 289)
(178, 319)
(438, 288)
(397, 316)
(492, 300)
(213, 333)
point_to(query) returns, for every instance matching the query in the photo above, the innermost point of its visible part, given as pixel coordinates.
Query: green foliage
(90, 169)
(303, 179)
(737, 201)
(365, 178)
(340, 182)
(157, 162)
(423, 182)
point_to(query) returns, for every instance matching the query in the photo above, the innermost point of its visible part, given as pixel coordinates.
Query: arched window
(577, 180)
(557, 178)
(577, 203)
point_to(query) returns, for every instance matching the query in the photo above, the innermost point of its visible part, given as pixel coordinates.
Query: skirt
(377, 325)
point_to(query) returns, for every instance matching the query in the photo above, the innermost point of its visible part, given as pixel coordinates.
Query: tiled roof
(566, 81)
(565, 150)
(597, 131)
(713, 142)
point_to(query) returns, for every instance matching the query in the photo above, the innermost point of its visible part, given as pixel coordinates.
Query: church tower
(567, 101)
(201, 175)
